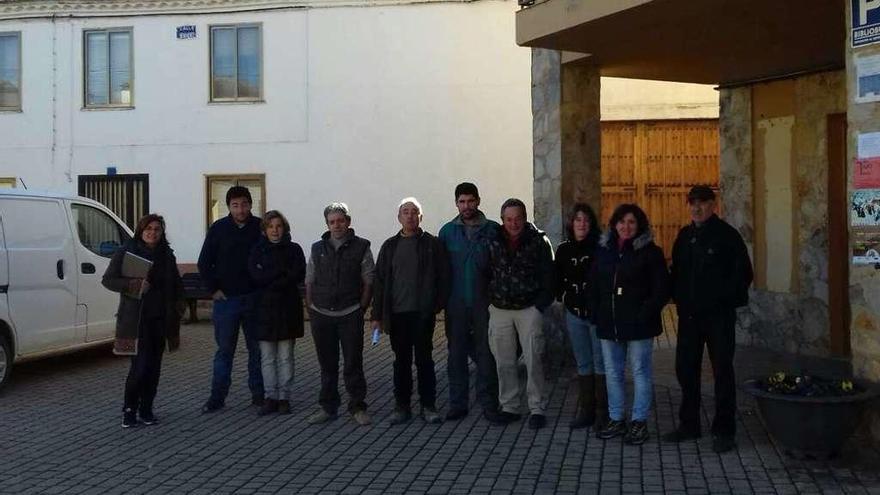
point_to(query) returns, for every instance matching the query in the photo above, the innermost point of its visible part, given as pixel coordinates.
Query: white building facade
(308, 105)
(164, 105)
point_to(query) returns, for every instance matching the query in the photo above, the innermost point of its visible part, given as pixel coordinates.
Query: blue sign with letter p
(865, 22)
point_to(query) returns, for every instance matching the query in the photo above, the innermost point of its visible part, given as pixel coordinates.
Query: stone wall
(795, 321)
(864, 281)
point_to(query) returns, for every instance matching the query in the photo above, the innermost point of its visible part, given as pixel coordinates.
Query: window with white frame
(236, 62)
(108, 68)
(10, 71)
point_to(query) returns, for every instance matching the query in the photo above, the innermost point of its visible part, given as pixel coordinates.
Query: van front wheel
(5, 361)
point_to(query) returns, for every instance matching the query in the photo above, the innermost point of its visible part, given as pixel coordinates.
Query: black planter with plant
(809, 415)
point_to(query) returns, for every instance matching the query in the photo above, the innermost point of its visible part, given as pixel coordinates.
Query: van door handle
(59, 269)
(88, 268)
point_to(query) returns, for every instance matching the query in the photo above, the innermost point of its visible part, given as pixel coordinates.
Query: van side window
(97, 232)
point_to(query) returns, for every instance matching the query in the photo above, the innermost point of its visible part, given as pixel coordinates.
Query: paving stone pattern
(60, 433)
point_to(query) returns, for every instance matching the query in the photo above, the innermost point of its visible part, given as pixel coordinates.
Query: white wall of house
(364, 105)
(638, 99)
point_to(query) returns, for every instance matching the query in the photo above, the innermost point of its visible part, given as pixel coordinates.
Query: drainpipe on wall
(54, 95)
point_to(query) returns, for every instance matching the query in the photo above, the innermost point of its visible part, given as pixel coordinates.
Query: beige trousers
(505, 327)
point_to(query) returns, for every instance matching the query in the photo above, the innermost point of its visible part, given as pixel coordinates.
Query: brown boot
(601, 402)
(586, 411)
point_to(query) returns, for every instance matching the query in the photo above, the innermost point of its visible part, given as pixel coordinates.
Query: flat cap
(701, 193)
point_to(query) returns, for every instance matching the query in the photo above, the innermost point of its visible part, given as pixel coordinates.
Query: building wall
(637, 99)
(864, 281)
(364, 105)
(774, 182)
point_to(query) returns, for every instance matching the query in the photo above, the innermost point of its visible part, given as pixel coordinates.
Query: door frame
(838, 237)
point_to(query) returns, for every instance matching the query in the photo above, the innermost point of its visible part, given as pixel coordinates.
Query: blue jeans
(585, 344)
(640, 354)
(228, 316)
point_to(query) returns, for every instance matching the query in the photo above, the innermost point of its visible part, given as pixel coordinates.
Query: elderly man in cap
(711, 274)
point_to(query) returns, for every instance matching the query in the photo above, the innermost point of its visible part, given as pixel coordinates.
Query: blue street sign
(865, 22)
(186, 32)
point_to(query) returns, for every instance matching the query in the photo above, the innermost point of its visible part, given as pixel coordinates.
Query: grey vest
(337, 280)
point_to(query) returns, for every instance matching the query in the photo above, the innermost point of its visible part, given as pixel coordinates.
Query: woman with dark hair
(629, 287)
(277, 266)
(149, 314)
(573, 260)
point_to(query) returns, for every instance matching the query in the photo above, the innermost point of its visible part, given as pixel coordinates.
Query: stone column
(864, 280)
(547, 140)
(566, 136)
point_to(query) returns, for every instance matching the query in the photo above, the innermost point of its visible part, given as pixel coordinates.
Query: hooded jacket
(629, 287)
(277, 270)
(574, 260)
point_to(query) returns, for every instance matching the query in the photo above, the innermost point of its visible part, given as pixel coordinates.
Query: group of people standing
(494, 282)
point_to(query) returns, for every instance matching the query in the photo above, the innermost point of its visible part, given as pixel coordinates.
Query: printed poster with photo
(865, 230)
(866, 245)
(865, 208)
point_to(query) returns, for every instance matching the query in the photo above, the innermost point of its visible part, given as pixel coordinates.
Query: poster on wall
(867, 79)
(866, 245)
(866, 172)
(865, 208)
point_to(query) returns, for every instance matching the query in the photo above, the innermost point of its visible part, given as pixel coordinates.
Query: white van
(54, 249)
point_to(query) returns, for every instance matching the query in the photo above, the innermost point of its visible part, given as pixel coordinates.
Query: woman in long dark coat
(149, 315)
(277, 266)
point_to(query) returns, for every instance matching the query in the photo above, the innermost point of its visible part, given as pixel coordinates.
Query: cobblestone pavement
(60, 433)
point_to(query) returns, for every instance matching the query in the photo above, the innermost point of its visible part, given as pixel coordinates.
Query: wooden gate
(127, 195)
(654, 164)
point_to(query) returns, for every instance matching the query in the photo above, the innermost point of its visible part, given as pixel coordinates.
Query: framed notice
(866, 173)
(866, 245)
(867, 79)
(865, 208)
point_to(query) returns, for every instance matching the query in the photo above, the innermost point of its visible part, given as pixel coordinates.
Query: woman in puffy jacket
(573, 260)
(149, 314)
(277, 266)
(629, 287)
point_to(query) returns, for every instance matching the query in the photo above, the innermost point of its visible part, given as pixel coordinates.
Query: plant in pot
(809, 415)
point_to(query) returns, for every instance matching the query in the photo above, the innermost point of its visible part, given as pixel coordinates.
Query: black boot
(586, 411)
(601, 401)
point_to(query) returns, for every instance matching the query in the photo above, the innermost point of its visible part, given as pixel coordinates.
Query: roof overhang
(700, 41)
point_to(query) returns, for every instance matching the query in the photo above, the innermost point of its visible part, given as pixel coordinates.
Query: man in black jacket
(711, 274)
(520, 288)
(409, 289)
(223, 265)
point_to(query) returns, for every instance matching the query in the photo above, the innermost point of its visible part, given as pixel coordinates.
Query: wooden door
(654, 164)
(838, 237)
